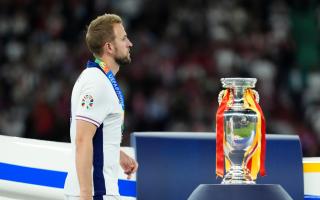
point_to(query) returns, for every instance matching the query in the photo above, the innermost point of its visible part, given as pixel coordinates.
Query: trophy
(240, 128)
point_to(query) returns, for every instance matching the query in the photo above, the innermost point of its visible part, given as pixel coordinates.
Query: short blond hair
(100, 31)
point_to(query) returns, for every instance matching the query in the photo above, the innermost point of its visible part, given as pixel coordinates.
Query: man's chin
(123, 61)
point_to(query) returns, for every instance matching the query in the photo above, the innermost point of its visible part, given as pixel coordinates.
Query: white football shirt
(94, 100)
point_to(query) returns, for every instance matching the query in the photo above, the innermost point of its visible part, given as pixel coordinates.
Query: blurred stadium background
(181, 50)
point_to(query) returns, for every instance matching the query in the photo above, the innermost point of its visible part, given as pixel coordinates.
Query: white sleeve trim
(88, 120)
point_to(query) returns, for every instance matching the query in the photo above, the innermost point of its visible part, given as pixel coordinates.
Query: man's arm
(84, 154)
(128, 164)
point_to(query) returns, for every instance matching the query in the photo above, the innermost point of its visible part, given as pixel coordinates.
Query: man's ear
(108, 47)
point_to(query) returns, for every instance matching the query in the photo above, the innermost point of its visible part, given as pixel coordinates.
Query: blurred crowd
(180, 52)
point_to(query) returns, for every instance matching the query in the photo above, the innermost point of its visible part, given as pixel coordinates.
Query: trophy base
(239, 192)
(237, 175)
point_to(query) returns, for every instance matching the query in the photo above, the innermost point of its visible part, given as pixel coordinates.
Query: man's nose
(130, 43)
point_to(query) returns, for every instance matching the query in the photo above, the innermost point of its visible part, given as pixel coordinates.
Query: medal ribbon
(113, 81)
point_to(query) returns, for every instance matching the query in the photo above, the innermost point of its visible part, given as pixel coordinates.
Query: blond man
(97, 115)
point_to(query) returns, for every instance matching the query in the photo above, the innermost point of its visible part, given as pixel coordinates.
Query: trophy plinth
(239, 192)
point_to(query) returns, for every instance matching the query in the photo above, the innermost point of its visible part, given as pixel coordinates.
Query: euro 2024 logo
(87, 102)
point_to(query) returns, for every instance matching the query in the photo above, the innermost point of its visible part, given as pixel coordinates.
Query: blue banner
(51, 178)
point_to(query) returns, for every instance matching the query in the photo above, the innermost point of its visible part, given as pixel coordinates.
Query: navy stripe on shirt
(98, 178)
(100, 197)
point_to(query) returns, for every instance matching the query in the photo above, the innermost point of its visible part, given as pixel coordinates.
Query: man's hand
(128, 164)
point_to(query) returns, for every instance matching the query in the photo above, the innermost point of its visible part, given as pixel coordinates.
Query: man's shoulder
(94, 78)
(92, 75)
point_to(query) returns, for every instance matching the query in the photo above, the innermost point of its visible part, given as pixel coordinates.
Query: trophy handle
(256, 95)
(220, 96)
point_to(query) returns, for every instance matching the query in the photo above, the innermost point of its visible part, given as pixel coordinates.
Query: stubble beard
(123, 60)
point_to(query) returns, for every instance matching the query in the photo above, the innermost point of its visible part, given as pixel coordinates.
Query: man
(97, 115)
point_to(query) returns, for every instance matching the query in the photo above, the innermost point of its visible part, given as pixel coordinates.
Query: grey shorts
(104, 198)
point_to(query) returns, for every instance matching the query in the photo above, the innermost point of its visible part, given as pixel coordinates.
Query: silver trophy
(240, 130)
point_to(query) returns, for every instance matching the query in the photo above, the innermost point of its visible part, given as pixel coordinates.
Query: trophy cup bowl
(240, 130)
